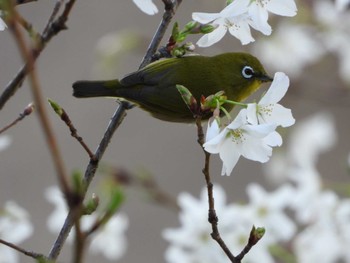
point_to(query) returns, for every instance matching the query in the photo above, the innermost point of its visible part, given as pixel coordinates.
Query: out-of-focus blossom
(109, 240)
(290, 49)
(3, 26)
(335, 33)
(312, 137)
(268, 210)
(5, 142)
(342, 5)
(191, 242)
(15, 227)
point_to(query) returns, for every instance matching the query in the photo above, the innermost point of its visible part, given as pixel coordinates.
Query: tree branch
(53, 29)
(212, 217)
(169, 12)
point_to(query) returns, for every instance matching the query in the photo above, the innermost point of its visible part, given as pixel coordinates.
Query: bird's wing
(152, 74)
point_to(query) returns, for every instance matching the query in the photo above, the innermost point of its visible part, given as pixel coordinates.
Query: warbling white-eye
(153, 87)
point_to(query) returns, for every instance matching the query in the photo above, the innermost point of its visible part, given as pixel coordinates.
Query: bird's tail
(87, 89)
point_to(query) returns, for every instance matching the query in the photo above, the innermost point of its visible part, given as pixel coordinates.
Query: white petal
(236, 8)
(204, 18)
(239, 121)
(280, 116)
(146, 6)
(242, 32)
(252, 113)
(213, 130)
(213, 146)
(273, 139)
(277, 90)
(259, 15)
(282, 8)
(229, 155)
(213, 37)
(261, 130)
(256, 150)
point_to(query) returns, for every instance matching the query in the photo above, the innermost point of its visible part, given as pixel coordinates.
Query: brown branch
(169, 12)
(23, 251)
(74, 133)
(53, 29)
(116, 120)
(212, 217)
(39, 101)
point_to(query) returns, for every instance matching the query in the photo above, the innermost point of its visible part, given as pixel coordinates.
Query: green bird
(153, 87)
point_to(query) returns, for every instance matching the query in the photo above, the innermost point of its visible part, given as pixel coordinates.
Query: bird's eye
(247, 72)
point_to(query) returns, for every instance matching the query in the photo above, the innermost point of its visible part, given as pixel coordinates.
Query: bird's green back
(154, 87)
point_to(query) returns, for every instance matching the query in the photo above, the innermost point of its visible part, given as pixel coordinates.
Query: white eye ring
(247, 72)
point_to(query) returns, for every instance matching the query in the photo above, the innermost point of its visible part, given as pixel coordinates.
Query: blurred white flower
(109, 240)
(317, 243)
(342, 5)
(290, 49)
(268, 210)
(5, 142)
(56, 219)
(328, 231)
(191, 242)
(311, 137)
(268, 110)
(241, 138)
(15, 227)
(3, 26)
(146, 6)
(336, 33)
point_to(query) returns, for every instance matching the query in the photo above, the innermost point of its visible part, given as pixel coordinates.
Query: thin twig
(54, 28)
(39, 101)
(212, 217)
(53, 15)
(21, 250)
(116, 120)
(169, 12)
(27, 111)
(65, 118)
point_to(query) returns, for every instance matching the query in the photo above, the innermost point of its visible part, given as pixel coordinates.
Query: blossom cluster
(15, 227)
(252, 134)
(304, 222)
(239, 16)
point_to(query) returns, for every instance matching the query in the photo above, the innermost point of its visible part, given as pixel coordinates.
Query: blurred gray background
(168, 151)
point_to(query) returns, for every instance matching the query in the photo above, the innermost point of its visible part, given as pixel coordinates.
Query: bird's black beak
(264, 78)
